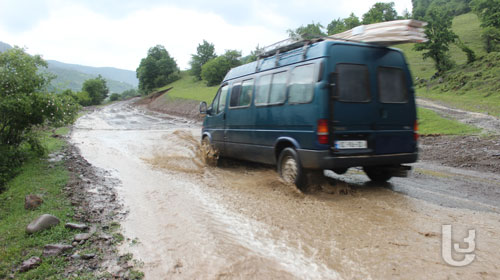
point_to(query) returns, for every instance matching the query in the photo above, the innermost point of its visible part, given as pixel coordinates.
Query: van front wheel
(290, 169)
(378, 174)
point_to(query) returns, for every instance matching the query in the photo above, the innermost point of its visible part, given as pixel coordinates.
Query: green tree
(253, 56)
(213, 71)
(310, 31)
(438, 32)
(129, 93)
(96, 89)
(351, 21)
(115, 97)
(488, 12)
(336, 26)
(156, 70)
(380, 12)
(25, 106)
(204, 53)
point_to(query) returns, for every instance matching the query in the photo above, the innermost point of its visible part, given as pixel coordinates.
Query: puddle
(239, 220)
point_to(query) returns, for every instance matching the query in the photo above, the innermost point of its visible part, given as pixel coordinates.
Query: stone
(41, 223)
(30, 264)
(76, 257)
(32, 201)
(74, 243)
(82, 236)
(88, 256)
(76, 226)
(55, 249)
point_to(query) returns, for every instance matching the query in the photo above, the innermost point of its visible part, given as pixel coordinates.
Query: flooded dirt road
(191, 221)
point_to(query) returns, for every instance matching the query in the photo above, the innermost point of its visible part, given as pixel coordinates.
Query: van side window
(222, 99)
(241, 94)
(278, 88)
(392, 85)
(262, 90)
(235, 95)
(353, 85)
(246, 92)
(301, 84)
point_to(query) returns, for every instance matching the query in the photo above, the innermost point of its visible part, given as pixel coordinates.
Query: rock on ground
(32, 201)
(41, 223)
(55, 249)
(76, 226)
(30, 264)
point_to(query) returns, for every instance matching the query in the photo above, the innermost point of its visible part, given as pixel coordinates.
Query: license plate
(351, 144)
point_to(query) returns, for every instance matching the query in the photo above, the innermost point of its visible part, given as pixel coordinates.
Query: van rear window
(353, 85)
(392, 85)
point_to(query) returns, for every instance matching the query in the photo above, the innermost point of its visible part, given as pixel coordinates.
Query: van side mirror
(203, 108)
(332, 83)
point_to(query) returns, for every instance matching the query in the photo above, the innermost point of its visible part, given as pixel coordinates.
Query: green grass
(430, 123)
(36, 176)
(467, 27)
(188, 88)
(474, 87)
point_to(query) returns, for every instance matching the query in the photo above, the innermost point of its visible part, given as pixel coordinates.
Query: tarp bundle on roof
(387, 33)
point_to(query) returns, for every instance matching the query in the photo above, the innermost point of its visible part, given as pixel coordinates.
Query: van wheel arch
(281, 145)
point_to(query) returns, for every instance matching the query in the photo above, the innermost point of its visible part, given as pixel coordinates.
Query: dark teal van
(315, 106)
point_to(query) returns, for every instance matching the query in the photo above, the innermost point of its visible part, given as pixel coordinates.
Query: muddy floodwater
(238, 220)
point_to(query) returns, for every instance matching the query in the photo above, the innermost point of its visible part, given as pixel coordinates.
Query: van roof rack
(294, 43)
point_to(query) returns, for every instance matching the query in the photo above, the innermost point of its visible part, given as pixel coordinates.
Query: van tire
(378, 174)
(290, 169)
(209, 154)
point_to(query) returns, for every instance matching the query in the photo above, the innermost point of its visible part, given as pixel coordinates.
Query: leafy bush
(115, 97)
(156, 70)
(97, 90)
(24, 106)
(213, 71)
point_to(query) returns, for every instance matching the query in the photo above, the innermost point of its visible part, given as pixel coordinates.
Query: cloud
(21, 15)
(76, 34)
(118, 33)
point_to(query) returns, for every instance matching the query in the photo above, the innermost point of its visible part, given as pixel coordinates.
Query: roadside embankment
(163, 103)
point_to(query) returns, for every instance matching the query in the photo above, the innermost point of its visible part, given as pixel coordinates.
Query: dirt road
(240, 221)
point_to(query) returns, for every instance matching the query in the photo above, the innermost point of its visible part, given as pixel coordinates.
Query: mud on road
(239, 220)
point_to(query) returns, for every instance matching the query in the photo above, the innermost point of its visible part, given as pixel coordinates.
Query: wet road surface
(240, 221)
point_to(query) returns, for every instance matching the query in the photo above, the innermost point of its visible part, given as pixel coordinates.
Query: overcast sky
(118, 33)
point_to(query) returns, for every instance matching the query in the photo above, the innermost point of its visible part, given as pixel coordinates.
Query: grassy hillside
(473, 87)
(467, 27)
(188, 88)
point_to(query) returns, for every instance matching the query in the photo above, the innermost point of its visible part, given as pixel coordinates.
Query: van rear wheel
(378, 174)
(290, 169)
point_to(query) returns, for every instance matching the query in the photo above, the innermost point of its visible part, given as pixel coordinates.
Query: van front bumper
(312, 159)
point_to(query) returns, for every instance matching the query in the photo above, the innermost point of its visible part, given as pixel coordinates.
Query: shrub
(24, 106)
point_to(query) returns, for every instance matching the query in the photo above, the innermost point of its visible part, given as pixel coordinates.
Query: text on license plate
(351, 144)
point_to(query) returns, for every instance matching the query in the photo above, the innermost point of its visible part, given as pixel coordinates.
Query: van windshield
(392, 85)
(353, 83)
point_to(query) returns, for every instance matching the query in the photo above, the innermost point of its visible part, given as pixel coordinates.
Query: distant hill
(72, 76)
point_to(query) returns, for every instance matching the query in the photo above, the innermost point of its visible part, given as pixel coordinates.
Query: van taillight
(415, 131)
(322, 131)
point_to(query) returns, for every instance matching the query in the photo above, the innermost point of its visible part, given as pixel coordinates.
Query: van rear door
(373, 111)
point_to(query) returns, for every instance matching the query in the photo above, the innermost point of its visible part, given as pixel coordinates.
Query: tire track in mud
(240, 221)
